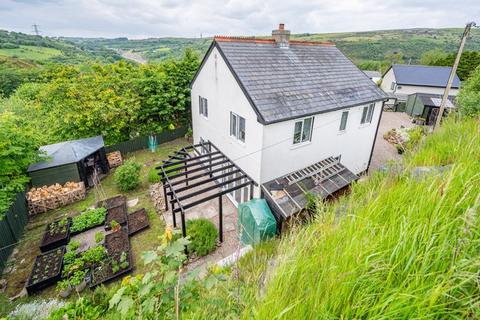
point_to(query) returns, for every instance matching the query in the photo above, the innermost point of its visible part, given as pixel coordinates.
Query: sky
(193, 18)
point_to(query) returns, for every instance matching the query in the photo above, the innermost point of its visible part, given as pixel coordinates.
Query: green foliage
(153, 176)
(81, 308)
(405, 246)
(469, 95)
(127, 176)
(73, 245)
(78, 277)
(469, 61)
(203, 236)
(18, 149)
(63, 285)
(88, 219)
(99, 236)
(94, 255)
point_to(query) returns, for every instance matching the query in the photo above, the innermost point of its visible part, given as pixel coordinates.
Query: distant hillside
(359, 46)
(18, 46)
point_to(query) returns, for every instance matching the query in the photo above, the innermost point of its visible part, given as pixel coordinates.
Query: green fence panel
(12, 226)
(141, 143)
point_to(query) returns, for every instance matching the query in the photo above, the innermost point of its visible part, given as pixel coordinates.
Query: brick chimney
(281, 36)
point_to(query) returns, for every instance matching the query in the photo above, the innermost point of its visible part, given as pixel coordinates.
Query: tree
(468, 62)
(469, 95)
(431, 57)
(18, 149)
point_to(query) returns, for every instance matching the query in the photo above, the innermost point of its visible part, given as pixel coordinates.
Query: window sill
(341, 132)
(364, 125)
(300, 145)
(238, 141)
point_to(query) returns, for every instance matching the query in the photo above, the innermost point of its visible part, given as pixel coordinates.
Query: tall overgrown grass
(402, 244)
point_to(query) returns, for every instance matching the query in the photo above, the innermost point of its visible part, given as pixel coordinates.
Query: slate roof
(67, 152)
(373, 74)
(434, 100)
(429, 76)
(304, 79)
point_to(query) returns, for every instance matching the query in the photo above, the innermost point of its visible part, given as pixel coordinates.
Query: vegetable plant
(115, 226)
(99, 236)
(73, 245)
(88, 219)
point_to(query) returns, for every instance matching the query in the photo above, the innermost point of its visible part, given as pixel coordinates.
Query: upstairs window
(237, 126)
(203, 106)
(367, 113)
(302, 131)
(343, 121)
(393, 85)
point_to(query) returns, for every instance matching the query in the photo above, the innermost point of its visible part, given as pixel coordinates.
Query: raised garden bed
(114, 267)
(116, 210)
(117, 242)
(89, 219)
(57, 234)
(137, 221)
(46, 270)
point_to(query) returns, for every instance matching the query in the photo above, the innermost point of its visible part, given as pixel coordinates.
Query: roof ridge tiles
(269, 40)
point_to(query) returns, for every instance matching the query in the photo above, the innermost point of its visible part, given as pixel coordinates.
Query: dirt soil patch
(56, 234)
(107, 272)
(138, 221)
(116, 209)
(46, 271)
(117, 242)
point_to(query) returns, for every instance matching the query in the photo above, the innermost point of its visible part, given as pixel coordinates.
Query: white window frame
(303, 139)
(236, 129)
(393, 86)
(203, 106)
(367, 114)
(346, 112)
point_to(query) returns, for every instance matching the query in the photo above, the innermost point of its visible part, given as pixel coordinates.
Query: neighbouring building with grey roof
(401, 80)
(296, 116)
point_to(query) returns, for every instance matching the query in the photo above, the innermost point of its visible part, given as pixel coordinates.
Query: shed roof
(429, 76)
(302, 79)
(434, 100)
(67, 152)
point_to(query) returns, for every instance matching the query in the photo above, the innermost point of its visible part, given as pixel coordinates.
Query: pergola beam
(202, 182)
(201, 175)
(188, 165)
(185, 160)
(219, 185)
(197, 169)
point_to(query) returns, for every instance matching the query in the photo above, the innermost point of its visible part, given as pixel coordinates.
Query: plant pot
(66, 292)
(79, 288)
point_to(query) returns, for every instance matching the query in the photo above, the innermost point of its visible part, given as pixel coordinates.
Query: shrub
(469, 95)
(88, 219)
(203, 236)
(127, 176)
(153, 176)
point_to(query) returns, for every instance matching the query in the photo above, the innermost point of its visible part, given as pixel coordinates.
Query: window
(203, 106)
(343, 121)
(302, 130)
(237, 126)
(367, 113)
(392, 86)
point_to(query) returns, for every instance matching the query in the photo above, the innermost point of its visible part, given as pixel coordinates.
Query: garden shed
(427, 105)
(74, 160)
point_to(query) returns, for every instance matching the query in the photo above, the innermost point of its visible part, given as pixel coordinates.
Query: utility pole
(468, 27)
(35, 29)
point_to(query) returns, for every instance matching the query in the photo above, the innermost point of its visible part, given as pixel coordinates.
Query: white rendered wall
(216, 83)
(281, 156)
(402, 91)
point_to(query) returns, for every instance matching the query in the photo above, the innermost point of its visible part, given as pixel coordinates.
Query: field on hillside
(359, 46)
(31, 53)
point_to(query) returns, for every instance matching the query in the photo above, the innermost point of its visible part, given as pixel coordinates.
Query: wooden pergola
(191, 171)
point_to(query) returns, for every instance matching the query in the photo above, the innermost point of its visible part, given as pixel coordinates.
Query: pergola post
(165, 196)
(220, 218)
(173, 215)
(251, 190)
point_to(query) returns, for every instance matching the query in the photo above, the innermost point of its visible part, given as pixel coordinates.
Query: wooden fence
(11, 227)
(141, 143)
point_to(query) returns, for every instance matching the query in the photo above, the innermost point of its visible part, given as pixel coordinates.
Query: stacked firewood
(54, 196)
(114, 159)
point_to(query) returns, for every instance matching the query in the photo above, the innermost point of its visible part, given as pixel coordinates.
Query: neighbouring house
(375, 76)
(298, 117)
(74, 160)
(426, 106)
(401, 80)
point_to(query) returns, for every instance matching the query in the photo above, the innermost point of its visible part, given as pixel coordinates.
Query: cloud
(190, 18)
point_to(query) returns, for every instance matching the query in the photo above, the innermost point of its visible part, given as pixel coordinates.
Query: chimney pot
(281, 36)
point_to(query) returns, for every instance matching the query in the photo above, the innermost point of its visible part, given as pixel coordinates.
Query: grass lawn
(31, 53)
(28, 248)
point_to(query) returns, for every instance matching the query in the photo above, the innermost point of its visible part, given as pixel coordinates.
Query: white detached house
(296, 116)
